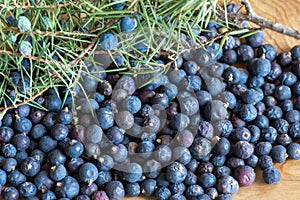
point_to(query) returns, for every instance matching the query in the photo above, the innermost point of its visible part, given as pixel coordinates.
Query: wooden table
(285, 12)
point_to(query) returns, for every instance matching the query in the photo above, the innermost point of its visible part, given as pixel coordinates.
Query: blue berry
(88, 172)
(278, 153)
(38, 155)
(27, 189)
(3, 177)
(132, 103)
(30, 166)
(105, 117)
(9, 150)
(200, 148)
(48, 195)
(245, 52)
(194, 191)
(295, 51)
(132, 189)
(47, 143)
(93, 134)
(282, 92)
(43, 181)
(128, 24)
(103, 178)
(38, 131)
(9, 164)
(271, 175)
(287, 78)
(176, 172)
(10, 193)
(207, 180)
(73, 148)
(256, 39)
(108, 41)
(259, 66)
(227, 185)
(275, 71)
(267, 51)
(105, 163)
(68, 188)
(151, 168)
(284, 59)
(115, 190)
(15, 178)
(293, 151)
(58, 172)
(190, 67)
(148, 186)
(229, 57)
(162, 193)
(23, 124)
(243, 149)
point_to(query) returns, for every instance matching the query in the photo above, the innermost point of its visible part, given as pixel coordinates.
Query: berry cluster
(196, 132)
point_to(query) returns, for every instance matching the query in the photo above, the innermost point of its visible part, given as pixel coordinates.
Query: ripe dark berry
(124, 120)
(132, 189)
(243, 149)
(162, 193)
(267, 51)
(256, 39)
(148, 187)
(67, 188)
(227, 185)
(115, 190)
(284, 59)
(27, 189)
(15, 178)
(105, 117)
(271, 175)
(176, 172)
(10, 193)
(23, 124)
(207, 180)
(259, 67)
(265, 162)
(245, 175)
(245, 52)
(30, 166)
(200, 148)
(88, 172)
(278, 153)
(133, 172)
(59, 131)
(293, 151)
(58, 172)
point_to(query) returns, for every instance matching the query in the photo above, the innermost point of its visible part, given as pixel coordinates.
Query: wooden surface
(285, 12)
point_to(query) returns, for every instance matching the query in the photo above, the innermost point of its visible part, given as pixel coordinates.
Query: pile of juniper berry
(196, 132)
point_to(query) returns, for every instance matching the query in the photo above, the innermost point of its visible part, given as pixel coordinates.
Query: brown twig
(251, 16)
(44, 33)
(5, 109)
(29, 57)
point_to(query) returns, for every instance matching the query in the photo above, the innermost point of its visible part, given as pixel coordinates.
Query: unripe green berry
(46, 23)
(25, 48)
(24, 24)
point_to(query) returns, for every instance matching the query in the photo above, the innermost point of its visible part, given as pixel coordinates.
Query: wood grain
(285, 12)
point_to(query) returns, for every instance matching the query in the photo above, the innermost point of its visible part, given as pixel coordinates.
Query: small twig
(29, 57)
(5, 109)
(45, 33)
(260, 21)
(26, 7)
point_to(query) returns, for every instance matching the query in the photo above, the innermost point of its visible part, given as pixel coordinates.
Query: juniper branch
(251, 16)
